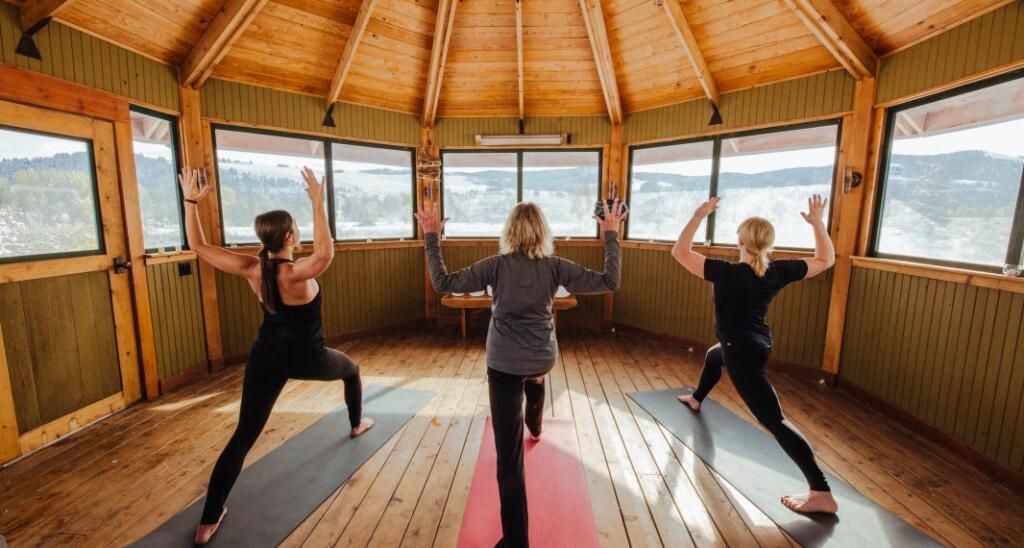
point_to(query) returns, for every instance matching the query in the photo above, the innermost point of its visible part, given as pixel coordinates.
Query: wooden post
(614, 181)
(10, 448)
(427, 190)
(855, 147)
(196, 155)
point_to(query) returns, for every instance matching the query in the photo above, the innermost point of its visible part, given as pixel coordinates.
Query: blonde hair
(526, 231)
(757, 236)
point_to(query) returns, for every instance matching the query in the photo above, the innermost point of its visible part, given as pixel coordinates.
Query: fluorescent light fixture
(522, 140)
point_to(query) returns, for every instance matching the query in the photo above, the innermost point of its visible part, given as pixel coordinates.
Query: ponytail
(759, 263)
(757, 236)
(268, 281)
(273, 229)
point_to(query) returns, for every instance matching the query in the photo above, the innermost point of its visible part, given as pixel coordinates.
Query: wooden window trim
(943, 273)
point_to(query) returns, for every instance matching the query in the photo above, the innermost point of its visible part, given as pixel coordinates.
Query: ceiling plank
(594, 21)
(519, 58)
(34, 11)
(225, 29)
(685, 33)
(349, 55)
(438, 55)
(838, 36)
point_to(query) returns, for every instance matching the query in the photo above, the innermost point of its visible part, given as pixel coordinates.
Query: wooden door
(67, 331)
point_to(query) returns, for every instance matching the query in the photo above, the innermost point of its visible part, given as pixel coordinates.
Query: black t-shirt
(742, 299)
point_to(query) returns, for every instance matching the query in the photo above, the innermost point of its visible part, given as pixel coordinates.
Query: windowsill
(714, 250)
(975, 278)
(456, 241)
(169, 257)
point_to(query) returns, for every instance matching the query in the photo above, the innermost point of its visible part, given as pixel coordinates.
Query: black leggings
(506, 393)
(265, 377)
(746, 365)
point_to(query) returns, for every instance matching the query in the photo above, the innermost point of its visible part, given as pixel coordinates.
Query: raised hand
(707, 208)
(430, 219)
(613, 216)
(194, 185)
(815, 210)
(314, 187)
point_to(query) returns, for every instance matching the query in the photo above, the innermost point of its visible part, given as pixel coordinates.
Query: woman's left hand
(613, 216)
(430, 219)
(193, 184)
(314, 187)
(815, 210)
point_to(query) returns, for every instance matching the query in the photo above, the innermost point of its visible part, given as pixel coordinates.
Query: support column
(855, 153)
(614, 185)
(428, 192)
(10, 446)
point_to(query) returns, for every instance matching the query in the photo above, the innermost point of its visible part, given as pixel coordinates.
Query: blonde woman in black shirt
(742, 292)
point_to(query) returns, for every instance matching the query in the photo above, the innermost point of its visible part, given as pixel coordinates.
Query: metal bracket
(121, 265)
(851, 179)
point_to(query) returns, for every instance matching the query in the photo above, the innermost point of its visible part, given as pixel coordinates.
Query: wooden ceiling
(649, 53)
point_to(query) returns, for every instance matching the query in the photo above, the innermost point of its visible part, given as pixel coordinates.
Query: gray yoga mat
(277, 493)
(756, 466)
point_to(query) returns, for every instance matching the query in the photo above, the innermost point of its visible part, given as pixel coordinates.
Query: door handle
(121, 265)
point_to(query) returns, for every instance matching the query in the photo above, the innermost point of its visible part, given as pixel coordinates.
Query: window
(373, 192)
(765, 173)
(952, 177)
(667, 183)
(48, 203)
(481, 188)
(259, 172)
(156, 169)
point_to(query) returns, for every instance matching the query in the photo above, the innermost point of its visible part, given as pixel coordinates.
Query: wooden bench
(468, 302)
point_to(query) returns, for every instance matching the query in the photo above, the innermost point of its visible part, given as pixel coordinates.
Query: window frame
(328, 159)
(519, 152)
(176, 163)
(716, 162)
(885, 152)
(101, 244)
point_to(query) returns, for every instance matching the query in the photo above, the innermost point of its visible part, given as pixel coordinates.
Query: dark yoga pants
(265, 377)
(506, 393)
(746, 365)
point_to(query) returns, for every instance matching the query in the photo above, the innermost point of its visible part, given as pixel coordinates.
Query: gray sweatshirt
(521, 337)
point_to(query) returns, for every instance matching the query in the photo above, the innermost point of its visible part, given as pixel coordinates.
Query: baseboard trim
(184, 377)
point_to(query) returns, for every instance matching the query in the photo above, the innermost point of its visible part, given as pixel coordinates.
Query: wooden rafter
(34, 11)
(349, 55)
(837, 35)
(519, 57)
(438, 55)
(685, 33)
(593, 18)
(229, 24)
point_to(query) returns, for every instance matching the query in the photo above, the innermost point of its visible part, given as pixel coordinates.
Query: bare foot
(813, 501)
(205, 531)
(691, 402)
(365, 425)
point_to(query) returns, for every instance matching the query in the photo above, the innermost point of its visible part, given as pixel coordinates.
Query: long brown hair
(273, 229)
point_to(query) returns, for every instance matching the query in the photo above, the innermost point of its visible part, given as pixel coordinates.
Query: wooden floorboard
(112, 482)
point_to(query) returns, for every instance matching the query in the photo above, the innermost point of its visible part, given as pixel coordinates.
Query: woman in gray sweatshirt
(521, 343)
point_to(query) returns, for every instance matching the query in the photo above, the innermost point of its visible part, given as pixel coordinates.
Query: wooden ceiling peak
(438, 55)
(519, 57)
(598, 33)
(838, 36)
(349, 55)
(225, 29)
(685, 33)
(34, 11)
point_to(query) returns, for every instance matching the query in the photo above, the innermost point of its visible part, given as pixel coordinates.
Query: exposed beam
(594, 20)
(438, 55)
(34, 11)
(837, 35)
(519, 57)
(349, 55)
(700, 67)
(227, 26)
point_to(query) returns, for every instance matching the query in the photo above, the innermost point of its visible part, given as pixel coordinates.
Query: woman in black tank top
(290, 344)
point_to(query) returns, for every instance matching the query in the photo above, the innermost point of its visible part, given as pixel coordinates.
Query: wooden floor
(117, 480)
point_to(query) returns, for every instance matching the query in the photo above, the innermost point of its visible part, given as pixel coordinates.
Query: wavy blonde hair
(526, 231)
(757, 236)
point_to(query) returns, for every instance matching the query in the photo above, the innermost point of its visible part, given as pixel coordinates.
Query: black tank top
(298, 327)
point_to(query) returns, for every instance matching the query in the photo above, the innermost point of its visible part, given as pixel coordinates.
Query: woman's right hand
(707, 208)
(314, 187)
(430, 219)
(193, 184)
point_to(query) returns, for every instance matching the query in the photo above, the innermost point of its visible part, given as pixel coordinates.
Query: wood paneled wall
(816, 96)
(584, 130)
(362, 290)
(993, 40)
(82, 58)
(60, 344)
(949, 354)
(177, 317)
(659, 295)
(224, 100)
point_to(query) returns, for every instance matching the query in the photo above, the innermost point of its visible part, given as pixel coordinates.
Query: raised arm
(194, 187)
(316, 264)
(473, 278)
(824, 252)
(683, 251)
(583, 281)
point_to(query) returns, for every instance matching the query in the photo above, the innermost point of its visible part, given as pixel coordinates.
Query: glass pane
(259, 173)
(47, 195)
(565, 185)
(952, 177)
(372, 192)
(667, 183)
(479, 192)
(155, 170)
(771, 175)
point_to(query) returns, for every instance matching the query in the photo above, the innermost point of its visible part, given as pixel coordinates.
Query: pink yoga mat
(556, 493)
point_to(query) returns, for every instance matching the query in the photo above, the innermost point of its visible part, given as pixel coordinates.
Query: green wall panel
(178, 328)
